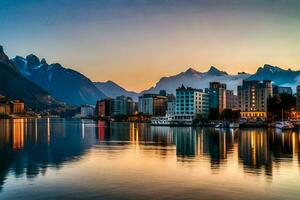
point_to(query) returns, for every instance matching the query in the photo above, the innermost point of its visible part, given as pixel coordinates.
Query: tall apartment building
(253, 98)
(104, 107)
(217, 96)
(298, 99)
(123, 106)
(153, 104)
(171, 105)
(231, 100)
(190, 102)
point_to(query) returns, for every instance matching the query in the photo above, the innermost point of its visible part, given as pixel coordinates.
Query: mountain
(113, 90)
(277, 75)
(14, 86)
(216, 72)
(196, 79)
(64, 84)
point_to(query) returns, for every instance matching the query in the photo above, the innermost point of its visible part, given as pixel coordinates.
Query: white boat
(234, 125)
(219, 125)
(284, 125)
(162, 121)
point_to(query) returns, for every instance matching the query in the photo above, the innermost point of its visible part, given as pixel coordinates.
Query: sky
(136, 42)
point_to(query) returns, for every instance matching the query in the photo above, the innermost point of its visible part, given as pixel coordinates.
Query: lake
(85, 159)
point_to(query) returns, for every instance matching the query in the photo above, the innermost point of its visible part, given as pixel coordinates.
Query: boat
(222, 125)
(284, 125)
(219, 125)
(162, 121)
(234, 125)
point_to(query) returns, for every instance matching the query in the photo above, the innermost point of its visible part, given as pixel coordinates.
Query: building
(104, 108)
(217, 96)
(123, 106)
(190, 102)
(17, 107)
(153, 104)
(278, 90)
(171, 106)
(87, 111)
(5, 108)
(231, 100)
(253, 98)
(298, 99)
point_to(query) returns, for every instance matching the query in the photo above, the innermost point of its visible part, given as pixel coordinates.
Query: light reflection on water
(57, 158)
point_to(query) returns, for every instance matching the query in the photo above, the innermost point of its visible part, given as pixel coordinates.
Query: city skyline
(131, 37)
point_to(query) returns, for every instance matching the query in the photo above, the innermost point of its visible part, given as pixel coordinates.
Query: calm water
(60, 159)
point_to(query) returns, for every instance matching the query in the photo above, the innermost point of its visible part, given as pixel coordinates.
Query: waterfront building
(231, 100)
(153, 104)
(253, 97)
(123, 106)
(278, 90)
(104, 108)
(217, 96)
(190, 102)
(171, 106)
(17, 107)
(5, 108)
(298, 99)
(87, 111)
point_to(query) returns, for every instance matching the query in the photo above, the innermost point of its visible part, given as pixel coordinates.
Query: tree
(279, 105)
(213, 114)
(230, 115)
(198, 119)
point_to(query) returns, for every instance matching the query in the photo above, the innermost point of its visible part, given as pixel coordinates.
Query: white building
(191, 102)
(87, 111)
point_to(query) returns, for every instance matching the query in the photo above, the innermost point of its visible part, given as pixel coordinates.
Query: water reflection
(257, 149)
(29, 147)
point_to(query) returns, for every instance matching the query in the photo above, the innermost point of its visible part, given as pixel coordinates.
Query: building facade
(253, 98)
(153, 104)
(231, 100)
(5, 108)
(298, 99)
(87, 111)
(123, 106)
(217, 96)
(104, 108)
(171, 106)
(17, 107)
(190, 102)
(278, 90)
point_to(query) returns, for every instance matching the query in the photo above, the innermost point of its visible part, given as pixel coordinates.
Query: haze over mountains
(35, 81)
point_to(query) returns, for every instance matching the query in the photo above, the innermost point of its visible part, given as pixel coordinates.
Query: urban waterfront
(85, 159)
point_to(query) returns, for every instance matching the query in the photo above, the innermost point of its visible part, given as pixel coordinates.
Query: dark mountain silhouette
(15, 86)
(278, 75)
(64, 84)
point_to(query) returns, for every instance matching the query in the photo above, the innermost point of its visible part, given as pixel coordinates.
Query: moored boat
(284, 125)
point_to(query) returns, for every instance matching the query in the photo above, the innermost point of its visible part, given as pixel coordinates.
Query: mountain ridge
(194, 78)
(64, 84)
(15, 86)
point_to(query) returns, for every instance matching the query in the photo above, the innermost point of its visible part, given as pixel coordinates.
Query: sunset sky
(136, 42)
